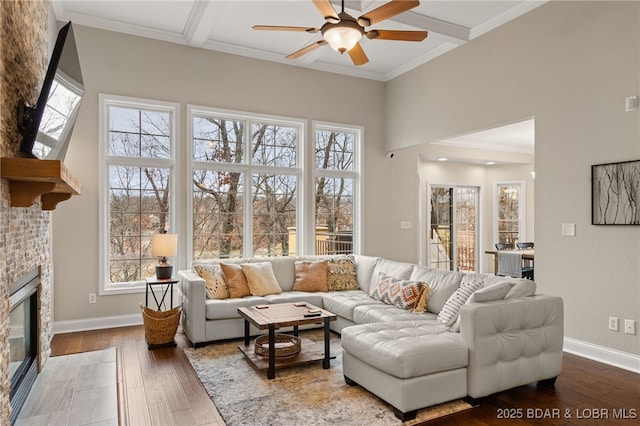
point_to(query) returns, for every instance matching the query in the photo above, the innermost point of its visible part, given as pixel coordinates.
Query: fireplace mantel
(29, 178)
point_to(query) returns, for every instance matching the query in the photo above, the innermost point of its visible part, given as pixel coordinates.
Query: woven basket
(160, 326)
(285, 345)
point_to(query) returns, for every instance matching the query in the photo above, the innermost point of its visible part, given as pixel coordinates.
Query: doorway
(453, 229)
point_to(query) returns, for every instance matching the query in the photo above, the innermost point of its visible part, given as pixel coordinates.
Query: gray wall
(125, 65)
(570, 65)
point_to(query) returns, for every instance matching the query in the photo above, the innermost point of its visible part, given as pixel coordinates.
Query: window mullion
(247, 228)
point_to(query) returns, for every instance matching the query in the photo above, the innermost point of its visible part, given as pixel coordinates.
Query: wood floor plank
(137, 407)
(160, 387)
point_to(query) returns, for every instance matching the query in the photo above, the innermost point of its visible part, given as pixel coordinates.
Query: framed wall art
(615, 193)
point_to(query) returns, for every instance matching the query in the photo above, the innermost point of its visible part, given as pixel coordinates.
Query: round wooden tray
(285, 345)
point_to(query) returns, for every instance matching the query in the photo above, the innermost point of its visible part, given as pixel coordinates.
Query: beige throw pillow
(236, 281)
(261, 279)
(214, 282)
(310, 276)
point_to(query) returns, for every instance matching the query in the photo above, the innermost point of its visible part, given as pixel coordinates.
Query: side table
(168, 288)
(151, 281)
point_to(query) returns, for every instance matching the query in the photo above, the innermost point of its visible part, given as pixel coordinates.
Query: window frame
(356, 174)
(246, 168)
(521, 209)
(105, 160)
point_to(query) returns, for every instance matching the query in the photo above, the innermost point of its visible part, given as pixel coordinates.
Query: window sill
(115, 289)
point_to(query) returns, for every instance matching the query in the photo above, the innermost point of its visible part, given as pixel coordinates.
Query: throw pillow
(215, 285)
(496, 291)
(493, 292)
(261, 279)
(403, 294)
(341, 274)
(451, 309)
(422, 304)
(310, 276)
(236, 281)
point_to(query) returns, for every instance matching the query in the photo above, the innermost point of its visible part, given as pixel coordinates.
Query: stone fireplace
(25, 233)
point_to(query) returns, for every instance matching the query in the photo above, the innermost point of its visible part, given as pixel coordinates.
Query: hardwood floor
(159, 387)
(155, 387)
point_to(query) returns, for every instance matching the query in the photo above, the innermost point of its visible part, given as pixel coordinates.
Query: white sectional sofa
(410, 360)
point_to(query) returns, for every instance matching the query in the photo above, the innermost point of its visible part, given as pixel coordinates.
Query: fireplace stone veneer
(24, 232)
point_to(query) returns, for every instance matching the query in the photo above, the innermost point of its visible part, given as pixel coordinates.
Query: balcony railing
(327, 243)
(340, 243)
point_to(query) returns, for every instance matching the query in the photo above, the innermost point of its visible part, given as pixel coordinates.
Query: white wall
(125, 65)
(570, 65)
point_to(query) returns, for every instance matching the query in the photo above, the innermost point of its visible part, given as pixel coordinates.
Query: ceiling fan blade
(357, 55)
(386, 11)
(327, 11)
(396, 35)
(307, 49)
(281, 28)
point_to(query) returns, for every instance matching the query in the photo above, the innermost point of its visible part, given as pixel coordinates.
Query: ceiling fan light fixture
(342, 36)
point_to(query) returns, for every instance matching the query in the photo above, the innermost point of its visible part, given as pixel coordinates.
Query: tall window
(336, 182)
(246, 175)
(137, 139)
(509, 212)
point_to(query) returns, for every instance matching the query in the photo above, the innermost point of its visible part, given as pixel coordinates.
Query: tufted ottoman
(409, 364)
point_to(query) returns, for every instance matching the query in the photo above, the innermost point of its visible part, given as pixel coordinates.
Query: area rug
(302, 395)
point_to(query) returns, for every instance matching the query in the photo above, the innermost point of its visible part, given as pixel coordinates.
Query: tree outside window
(509, 216)
(336, 180)
(225, 222)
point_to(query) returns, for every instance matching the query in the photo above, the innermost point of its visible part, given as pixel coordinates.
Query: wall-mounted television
(46, 127)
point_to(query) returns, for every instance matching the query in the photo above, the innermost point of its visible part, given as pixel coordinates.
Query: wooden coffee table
(279, 315)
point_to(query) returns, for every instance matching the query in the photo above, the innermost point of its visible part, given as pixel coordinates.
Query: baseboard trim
(602, 354)
(72, 326)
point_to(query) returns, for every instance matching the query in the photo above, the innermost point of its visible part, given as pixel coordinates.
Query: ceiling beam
(448, 31)
(202, 19)
(442, 30)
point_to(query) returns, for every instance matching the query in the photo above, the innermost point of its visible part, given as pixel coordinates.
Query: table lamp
(163, 246)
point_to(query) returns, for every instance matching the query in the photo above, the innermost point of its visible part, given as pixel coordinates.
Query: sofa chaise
(479, 334)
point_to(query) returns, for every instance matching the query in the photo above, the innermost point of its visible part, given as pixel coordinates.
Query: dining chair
(527, 264)
(505, 246)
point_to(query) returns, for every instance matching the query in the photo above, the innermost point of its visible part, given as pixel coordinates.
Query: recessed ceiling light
(490, 163)
(442, 159)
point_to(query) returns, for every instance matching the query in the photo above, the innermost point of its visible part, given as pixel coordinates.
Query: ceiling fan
(343, 32)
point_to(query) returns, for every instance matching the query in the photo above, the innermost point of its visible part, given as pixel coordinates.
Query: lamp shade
(164, 245)
(342, 39)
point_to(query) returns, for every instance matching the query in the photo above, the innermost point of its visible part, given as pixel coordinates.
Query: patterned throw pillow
(404, 294)
(341, 274)
(310, 276)
(451, 309)
(216, 287)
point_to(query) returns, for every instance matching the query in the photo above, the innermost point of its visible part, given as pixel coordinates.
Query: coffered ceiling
(225, 26)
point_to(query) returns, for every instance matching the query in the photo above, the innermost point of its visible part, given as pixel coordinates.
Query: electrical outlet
(92, 298)
(629, 326)
(613, 323)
